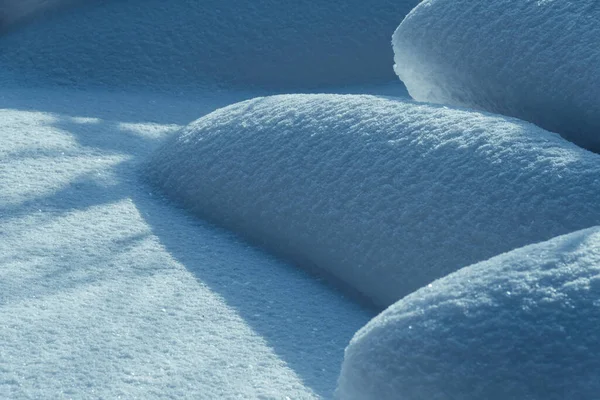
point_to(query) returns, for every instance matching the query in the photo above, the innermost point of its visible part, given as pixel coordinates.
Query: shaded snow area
(536, 60)
(522, 325)
(107, 291)
(384, 195)
(15, 12)
(272, 43)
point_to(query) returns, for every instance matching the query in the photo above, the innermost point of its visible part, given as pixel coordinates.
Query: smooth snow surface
(107, 291)
(523, 325)
(278, 44)
(538, 60)
(385, 195)
(13, 12)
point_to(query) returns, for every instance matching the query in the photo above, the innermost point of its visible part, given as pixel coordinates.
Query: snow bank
(385, 195)
(536, 60)
(275, 43)
(522, 325)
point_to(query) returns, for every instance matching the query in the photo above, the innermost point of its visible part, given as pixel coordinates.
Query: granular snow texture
(107, 291)
(384, 195)
(522, 325)
(15, 12)
(273, 43)
(536, 60)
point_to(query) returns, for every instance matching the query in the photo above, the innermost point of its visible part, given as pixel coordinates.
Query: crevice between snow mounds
(536, 60)
(175, 45)
(386, 195)
(522, 325)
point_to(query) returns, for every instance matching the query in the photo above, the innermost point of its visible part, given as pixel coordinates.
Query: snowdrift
(536, 60)
(275, 44)
(384, 195)
(522, 325)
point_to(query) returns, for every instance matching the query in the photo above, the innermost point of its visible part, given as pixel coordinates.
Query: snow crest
(522, 325)
(385, 195)
(535, 60)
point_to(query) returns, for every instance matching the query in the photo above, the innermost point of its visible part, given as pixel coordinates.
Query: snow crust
(522, 325)
(536, 60)
(385, 195)
(156, 43)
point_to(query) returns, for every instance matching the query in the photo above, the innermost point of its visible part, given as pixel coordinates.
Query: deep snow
(109, 290)
(383, 194)
(536, 60)
(272, 43)
(522, 325)
(106, 290)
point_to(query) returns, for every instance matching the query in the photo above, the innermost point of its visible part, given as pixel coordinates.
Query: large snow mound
(522, 325)
(536, 60)
(276, 44)
(385, 195)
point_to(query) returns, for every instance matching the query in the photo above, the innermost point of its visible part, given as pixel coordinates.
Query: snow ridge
(383, 194)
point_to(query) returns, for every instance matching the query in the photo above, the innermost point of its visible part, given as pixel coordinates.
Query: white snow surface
(108, 291)
(522, 325)
(279, 44)
(384, 195)
(537, 60)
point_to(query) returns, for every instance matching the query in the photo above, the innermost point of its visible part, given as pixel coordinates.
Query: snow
(108, 291)
(112, 287)
(535, 60)
(14, 12)
(522, 325)
(381, 194)
(177, 44)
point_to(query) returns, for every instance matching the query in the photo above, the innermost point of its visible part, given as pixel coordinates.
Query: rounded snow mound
(522, 325)
(536, 60)
(273, 44)
(384, 195)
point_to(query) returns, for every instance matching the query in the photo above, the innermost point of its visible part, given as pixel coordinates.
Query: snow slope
(383, 194)
(108, 291)
(522, 325)
(536, 60)
(271, 43)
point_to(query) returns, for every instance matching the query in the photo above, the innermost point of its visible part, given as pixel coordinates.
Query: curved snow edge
(521, 325)
(536, 60)
(386, 195)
